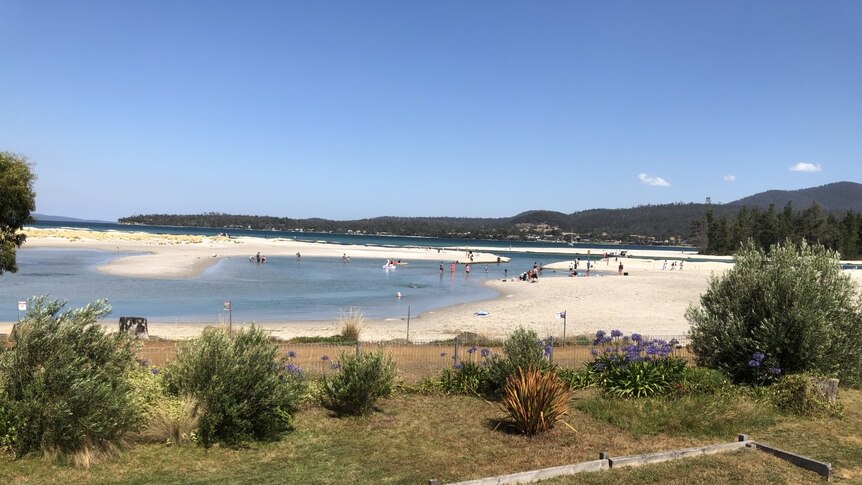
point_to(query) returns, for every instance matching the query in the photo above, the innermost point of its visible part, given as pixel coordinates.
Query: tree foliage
(247, 392)
(17, 201)
(787, 310)
(725, 233)
(65, 382)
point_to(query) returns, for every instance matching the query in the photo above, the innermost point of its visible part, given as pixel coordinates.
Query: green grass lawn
(413, 438)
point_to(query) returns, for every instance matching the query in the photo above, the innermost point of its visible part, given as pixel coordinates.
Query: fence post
(457, 346)
(357, 349)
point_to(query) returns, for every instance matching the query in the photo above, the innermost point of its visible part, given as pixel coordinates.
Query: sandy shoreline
(650, 300)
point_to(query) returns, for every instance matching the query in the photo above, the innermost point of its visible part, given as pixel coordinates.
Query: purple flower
(334, 366)
(753, 363)
(154, 371)
(291, 354)
(636, 337)
(758, 356)
(324, 357)
(594, 352)
(459, 366)
(599, 366)
(548, 350)
(472, 349)
(294, 369)
(775, 371)
(616, 333)
(442, 354)
(485, 353)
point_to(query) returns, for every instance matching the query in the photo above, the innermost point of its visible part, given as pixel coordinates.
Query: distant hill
(834, 197)
(49, 218)
(644, 224)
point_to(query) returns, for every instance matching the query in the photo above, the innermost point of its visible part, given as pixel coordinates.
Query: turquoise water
(282, 289)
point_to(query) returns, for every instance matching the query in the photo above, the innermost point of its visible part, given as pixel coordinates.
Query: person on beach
(452, 267)
(680, 265)
(505, 273)
(467, 268)
(441, 266)
(298, 255)
(257, 258)
(664, 265)
(621, 269)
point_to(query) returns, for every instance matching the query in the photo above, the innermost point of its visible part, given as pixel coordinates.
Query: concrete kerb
(821, 468)
(605, 462)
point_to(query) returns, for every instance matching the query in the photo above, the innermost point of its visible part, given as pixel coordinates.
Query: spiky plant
(351, 324)
(534, 400)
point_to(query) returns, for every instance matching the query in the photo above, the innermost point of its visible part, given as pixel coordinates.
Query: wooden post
(408, 324)
(457, 345)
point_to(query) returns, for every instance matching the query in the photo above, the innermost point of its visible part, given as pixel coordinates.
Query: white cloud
(806, 167)
(729, 178)
(654, 181)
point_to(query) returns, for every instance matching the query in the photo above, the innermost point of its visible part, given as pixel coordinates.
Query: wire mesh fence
(416, 360)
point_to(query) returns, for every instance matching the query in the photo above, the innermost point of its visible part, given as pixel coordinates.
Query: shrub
(522, 349)
(246, 393)
(358, 383)
(351, 325)
(65, 383)
(801, 394)
(534, 400)
(577, 378)
(633, 366)
(793, 304)
(466, 377)
(703, 381)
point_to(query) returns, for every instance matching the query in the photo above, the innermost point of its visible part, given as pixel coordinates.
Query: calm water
(282, 289)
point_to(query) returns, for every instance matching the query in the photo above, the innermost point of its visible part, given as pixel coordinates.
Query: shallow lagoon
(282, 289)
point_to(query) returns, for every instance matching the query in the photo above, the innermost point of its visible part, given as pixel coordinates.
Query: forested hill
(664, 223)
(644, 224)
(834, 197)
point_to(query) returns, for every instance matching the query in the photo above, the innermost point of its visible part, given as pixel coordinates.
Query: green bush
(703, 381)
(522, 349)
(65, 382)
(534, 400)
(793, 306)
(358, 383)
(247, 394)
(465, 378)
(801, 394)
(577, 378)
(173, 421)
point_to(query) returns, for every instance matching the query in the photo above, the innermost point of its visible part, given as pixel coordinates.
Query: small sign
(227, 306)
(22, 306)
(561, 315)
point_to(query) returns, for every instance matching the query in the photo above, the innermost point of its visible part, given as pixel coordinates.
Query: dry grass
(351, 323)
(172, 421)
(414, 438)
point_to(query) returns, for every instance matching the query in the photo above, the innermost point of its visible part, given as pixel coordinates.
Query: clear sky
(356, 109)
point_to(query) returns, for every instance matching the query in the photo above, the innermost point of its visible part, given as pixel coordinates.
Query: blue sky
(347, 110)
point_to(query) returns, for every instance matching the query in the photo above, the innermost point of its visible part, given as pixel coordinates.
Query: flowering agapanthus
(548, 350)
(324, 357)
(775, 371)
(636, 337)
(294, 369)
(154, 371)
(485, 352)
(442, 354)
(291, 354)
(472, 349)
(458, 366)
(616, 333)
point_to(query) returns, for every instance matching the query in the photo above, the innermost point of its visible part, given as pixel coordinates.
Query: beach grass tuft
(351, 323)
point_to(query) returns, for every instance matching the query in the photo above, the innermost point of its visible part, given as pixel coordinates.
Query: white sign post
(22, 307)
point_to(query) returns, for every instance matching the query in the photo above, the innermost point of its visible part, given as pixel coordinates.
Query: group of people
(673, 265)
(257, 258)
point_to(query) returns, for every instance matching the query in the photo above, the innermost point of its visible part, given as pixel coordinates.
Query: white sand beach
(649, 300)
